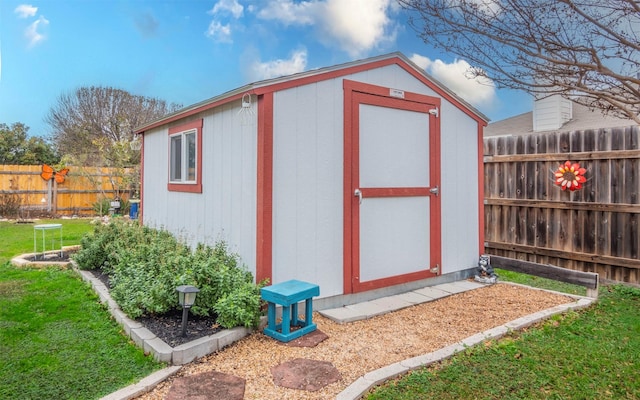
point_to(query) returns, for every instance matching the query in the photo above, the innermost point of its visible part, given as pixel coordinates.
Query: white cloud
(356, 26)
(359, 25)
(421, 61)
(219, 32)
(26, 10)
(33, 31)
(272, 69)
(228, 6)
(290, 13)
(477, 91)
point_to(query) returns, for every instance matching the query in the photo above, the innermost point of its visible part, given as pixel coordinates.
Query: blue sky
(186, 51)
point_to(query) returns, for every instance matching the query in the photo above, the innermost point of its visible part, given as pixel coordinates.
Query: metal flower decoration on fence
(570, 176)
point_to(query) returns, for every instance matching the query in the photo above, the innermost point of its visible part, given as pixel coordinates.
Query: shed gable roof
(303, 78)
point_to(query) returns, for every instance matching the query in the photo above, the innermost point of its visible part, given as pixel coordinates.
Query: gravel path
(363, 346)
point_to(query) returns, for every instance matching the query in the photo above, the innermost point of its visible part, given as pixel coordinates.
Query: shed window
(185, 157)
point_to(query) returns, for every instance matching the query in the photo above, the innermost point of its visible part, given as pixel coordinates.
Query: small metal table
(44, 228)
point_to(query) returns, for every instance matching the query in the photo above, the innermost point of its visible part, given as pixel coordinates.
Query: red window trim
(188, 187)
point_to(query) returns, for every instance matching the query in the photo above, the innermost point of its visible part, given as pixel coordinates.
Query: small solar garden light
(186, 298)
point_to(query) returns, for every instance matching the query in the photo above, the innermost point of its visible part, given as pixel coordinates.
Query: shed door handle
(357, 193)
(435, 190)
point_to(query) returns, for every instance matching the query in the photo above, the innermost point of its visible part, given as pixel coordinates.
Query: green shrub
(235, 308)
(101, 207)
(146, 265)
(93, 253)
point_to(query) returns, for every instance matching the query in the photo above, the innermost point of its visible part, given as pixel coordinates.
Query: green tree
(17, 148)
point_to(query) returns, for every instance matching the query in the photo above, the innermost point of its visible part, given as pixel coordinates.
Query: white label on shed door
(396, 93)
(394, 228)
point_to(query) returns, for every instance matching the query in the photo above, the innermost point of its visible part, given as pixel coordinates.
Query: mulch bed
(359, 347)
(168, 327)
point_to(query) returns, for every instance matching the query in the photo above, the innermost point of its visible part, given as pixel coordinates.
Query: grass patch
(56, 340)
(18, 238)
(590, 354)
(542, 283)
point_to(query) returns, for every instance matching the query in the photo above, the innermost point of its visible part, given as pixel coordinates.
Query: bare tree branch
(585, 50)
(92, 123)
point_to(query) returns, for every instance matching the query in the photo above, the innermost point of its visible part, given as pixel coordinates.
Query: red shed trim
(264, 201)
(309, 77)
(481, 188)
(356, 93)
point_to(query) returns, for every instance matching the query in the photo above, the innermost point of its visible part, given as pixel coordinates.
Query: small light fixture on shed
(135, 144)
(246, 112)
(186, 298)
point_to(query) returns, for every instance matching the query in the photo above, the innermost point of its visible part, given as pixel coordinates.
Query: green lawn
(544, 283)
(56, 340)
(590, 354)
(18, 238)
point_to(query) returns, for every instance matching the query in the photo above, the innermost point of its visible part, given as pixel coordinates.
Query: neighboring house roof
(583, 118)
(285, 82)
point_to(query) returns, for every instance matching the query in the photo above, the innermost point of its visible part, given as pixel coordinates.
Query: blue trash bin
(133, 208)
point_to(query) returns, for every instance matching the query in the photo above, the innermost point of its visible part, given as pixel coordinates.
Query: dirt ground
(362, 346)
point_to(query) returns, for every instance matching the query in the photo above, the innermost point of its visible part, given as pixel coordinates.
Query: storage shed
(365, 178)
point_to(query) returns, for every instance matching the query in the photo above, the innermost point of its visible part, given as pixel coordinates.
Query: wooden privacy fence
(81, 189)
(594, 229)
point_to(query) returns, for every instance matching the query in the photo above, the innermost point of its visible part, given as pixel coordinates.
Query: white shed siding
(308, 180)
(307, 185)
(155, 171)
(459, 186)
(226, 208)
(308, 168)
(459, 183)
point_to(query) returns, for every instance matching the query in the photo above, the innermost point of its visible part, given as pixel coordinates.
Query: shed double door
(392, 203)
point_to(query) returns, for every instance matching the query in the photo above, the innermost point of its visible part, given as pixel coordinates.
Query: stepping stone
(305, 374)
(309, 340)
(207, 385)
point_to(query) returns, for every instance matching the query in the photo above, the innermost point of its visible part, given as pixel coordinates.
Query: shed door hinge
(435, 112)
(436, 269)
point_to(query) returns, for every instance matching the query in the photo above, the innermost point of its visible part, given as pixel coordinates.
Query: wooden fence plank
(567, 205)
(565, 255)
(559, 157)
(76, 195)
(593, 229)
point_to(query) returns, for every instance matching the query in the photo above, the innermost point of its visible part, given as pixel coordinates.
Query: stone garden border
(151, 344)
